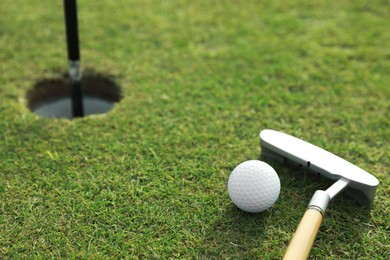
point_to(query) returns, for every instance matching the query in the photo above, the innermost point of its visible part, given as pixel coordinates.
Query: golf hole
(50, 98)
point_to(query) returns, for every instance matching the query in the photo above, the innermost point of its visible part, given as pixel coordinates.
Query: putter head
(362, 185)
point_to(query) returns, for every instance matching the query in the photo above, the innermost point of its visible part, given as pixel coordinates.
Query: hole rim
(95, 85)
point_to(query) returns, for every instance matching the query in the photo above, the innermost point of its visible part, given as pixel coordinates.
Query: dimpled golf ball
(254, 186)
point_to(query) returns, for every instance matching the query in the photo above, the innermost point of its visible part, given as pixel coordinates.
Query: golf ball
(254, 186)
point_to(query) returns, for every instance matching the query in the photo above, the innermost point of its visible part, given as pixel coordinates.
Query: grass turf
(200, 79)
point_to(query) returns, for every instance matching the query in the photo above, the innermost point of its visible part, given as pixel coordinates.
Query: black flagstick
(72, 38)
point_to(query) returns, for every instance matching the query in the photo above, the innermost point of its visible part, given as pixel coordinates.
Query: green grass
(200, 79)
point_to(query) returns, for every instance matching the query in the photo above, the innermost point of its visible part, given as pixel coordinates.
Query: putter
(358, 183)
(72, 37)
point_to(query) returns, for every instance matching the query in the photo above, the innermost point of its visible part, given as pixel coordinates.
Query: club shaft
(72, 39)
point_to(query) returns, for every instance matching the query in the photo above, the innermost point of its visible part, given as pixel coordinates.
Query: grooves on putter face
(70, 8)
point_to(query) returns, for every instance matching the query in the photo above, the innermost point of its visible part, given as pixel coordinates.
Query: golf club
(72, 37)
(358, 183)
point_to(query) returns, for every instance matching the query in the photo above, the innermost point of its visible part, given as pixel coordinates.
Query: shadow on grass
(235, 233)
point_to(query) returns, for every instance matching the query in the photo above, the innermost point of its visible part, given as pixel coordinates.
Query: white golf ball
(254, 186)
